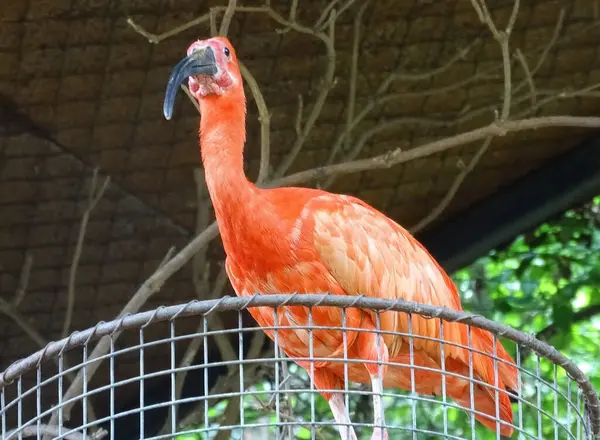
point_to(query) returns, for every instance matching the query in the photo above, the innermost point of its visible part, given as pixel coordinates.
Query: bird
(310, 241)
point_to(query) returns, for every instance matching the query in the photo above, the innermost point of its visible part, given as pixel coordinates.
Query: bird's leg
(340, 413)
(372, 348)
(326, 380)
(379, 432)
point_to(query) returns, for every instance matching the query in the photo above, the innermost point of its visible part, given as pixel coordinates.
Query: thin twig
(21, 321)
(478, 10)
(326, 86)
(353, 79)
(325, 14)
(381, 97)
(23, 280)
(291, 15)
(504, 42)
(298, 123)
(200, 265)
(558, 27)
(54, 431)
(264, 118)
(227, 16)
(11, 312)
(528, 77)
(152, 285)
(9, 309)
(190, 96)
(427, 75)
(212, 19)
(201, 282)
(95, 194)
(411, 121)
(503, 39)
(453, 190)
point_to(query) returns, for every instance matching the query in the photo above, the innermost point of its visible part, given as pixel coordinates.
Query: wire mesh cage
(150, 384)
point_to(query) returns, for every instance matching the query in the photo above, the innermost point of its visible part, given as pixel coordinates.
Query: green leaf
(562, 315)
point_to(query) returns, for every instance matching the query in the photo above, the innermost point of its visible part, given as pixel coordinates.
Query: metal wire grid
(555, 399)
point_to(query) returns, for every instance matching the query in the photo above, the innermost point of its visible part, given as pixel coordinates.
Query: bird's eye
(226, 51)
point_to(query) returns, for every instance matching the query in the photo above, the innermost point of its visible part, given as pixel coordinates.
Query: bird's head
(210, 67)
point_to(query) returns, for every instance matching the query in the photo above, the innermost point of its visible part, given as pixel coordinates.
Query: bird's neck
(222, 138)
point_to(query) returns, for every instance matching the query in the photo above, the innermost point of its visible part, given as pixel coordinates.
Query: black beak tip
(168, 113)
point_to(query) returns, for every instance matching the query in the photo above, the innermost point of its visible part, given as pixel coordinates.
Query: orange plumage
(310, 241)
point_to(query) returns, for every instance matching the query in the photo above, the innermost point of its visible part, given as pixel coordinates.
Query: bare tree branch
(551, 330)
(327, 83)
(54, 431)
(291, 17)
(95, 194)
(265, 9)
(503, 39)
(23, 280)
(11, 312)
(528, 77)
(410, 121)
(204, 290)
(190, 96)
(396, 157)
(353, 78)
(21, 321)
(443, 204)
(227, 18)
(298, 124)
(382, 97)
(148, 288)
(212, 16)
(9, 309)
(264, 118)
(200, 265)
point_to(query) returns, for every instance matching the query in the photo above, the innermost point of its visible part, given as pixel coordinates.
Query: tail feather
(458, 389)
(429, 380)
(484, 405)
(484, 369)
(507, 370)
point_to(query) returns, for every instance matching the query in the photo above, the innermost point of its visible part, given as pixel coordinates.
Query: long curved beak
(199, 62)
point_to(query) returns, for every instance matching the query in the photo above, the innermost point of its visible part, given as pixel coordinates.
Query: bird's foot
(380, 434)
(340, 413)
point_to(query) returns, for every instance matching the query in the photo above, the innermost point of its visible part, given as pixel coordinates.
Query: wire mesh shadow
(271, 396)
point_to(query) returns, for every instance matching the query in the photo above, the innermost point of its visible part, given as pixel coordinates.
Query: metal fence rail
(271, 396)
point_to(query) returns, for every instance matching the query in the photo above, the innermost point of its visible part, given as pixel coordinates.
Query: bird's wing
(369, 254)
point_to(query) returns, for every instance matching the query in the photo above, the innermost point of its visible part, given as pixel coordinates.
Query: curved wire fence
(195, 391)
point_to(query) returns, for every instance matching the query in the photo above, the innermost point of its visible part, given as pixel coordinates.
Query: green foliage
(545, 282)
(541, 278)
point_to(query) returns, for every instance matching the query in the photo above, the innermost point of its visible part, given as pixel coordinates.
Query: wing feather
(370, 254)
